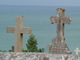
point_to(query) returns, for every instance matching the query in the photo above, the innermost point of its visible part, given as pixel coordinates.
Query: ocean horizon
(38, 18)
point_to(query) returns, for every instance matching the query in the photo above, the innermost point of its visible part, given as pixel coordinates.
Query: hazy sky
(41, 2)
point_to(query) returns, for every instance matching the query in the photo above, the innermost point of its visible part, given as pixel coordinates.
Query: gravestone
(18, 30)
(59, 45)
(77, 51)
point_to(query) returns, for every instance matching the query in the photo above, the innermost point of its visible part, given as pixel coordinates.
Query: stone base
(59, 46)
(36, 56)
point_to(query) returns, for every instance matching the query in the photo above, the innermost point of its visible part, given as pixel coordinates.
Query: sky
(41, 2)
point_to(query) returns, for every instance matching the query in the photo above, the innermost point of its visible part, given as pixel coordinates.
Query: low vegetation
(32, 45)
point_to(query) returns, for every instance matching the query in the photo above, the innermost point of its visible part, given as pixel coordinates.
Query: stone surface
(59, 45)
(77, 51)
(18, 30)
(36, 56)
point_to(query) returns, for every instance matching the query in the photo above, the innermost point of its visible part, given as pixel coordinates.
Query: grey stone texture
(59, 45)
(36, 56)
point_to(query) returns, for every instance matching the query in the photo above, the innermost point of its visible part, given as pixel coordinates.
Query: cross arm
(10, 29)
(26, 30)
(54, 19)
(67, 20)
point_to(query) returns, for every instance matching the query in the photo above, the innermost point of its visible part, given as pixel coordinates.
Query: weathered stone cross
(18, 30)
(60, 19)
(77, 51)
(58, 45)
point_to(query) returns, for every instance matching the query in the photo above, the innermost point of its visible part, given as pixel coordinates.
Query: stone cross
(77, 51)
(59, 45)
(60, 19)
(18, 30)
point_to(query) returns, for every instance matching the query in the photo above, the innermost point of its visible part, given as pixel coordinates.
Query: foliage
(32, 45)
(2, 50)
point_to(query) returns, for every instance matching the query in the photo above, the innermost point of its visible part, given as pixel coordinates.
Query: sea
(38, 18)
